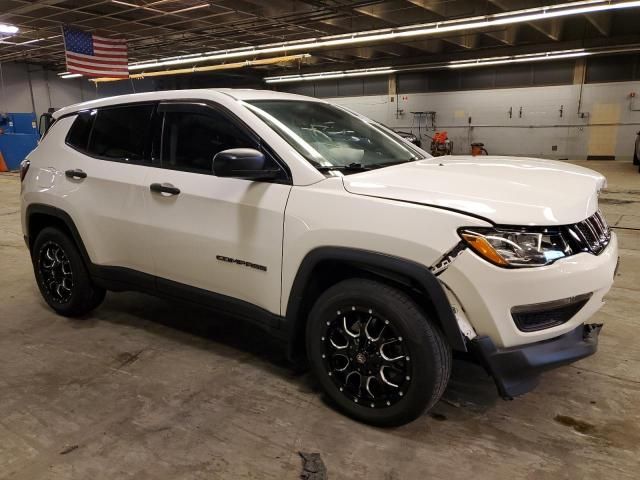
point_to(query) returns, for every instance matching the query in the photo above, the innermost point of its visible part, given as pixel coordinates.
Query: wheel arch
(39, 216)
(326, 266)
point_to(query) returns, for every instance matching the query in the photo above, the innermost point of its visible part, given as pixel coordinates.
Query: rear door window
(122, 133)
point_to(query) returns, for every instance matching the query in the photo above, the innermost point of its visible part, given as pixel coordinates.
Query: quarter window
(78, 136)
(121, 133)
(191, 139)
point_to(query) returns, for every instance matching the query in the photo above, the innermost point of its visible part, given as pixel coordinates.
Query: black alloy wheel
(62, 276)
(366, 357)
(55, 271)
(375, 352)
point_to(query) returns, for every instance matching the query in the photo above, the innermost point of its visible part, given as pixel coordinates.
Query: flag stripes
(95, 56)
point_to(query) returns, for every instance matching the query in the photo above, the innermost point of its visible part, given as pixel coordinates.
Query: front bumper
(516, 369)
(487, 293)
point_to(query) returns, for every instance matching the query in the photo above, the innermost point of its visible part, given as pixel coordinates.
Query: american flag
(95, 56)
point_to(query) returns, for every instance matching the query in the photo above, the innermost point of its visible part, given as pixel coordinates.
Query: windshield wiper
(395, 162)
(352, 167)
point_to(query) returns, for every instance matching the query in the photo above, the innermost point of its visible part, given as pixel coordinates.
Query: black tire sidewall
(84, 296)
(415, 328)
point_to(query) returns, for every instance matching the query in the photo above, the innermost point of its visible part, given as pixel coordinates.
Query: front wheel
(375, 353)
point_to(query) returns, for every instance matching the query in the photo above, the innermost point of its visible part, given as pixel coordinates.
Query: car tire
(62, 276)
(369, 375)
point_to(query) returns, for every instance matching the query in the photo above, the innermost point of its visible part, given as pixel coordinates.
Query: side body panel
(325, 214)
(202, 236)
(107, 207)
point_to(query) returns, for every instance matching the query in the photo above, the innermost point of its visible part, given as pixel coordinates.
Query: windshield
(331, 138)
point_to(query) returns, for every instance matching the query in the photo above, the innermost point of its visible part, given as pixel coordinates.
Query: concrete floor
(146, 389)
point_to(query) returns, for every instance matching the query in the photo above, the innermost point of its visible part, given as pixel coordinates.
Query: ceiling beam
(506, 36)
(29, 7)
(601, 21)
(388, 15)
(552, 28)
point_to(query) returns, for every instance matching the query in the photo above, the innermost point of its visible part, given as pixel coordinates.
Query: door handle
(77, 173)
(164, 188)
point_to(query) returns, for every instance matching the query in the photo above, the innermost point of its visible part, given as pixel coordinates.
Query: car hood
(505, 190)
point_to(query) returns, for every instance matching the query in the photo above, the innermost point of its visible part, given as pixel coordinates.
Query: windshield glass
(331, 138)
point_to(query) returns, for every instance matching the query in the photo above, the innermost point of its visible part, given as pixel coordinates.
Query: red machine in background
(440, 144)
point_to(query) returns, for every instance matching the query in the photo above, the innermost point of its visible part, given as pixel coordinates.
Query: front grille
(590, 235)
(538, 316)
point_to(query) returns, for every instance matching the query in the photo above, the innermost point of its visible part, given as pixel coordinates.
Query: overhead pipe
(210, 68)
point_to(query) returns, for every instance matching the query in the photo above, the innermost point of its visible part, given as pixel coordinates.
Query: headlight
(517, 247)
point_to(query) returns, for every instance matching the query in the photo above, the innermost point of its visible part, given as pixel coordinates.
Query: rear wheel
(375, 353)
(61, 275)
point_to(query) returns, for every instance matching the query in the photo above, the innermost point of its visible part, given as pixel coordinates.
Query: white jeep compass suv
(371, 259)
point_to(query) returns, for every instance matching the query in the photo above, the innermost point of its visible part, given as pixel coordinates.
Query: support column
(392, 87)
(579, 71)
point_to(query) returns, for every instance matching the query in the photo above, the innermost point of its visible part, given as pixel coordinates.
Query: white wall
(49, 90)
(540, 127)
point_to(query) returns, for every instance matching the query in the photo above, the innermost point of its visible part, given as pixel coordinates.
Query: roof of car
(203, 93)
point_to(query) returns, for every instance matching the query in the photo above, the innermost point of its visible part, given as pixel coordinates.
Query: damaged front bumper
(516, 369)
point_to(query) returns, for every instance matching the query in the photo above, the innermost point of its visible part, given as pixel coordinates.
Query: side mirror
(246, 163)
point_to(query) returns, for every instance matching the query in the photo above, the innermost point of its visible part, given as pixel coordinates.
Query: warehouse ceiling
(162, 28)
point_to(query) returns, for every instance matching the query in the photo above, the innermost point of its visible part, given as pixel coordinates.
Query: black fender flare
(107, 277)
(62, 216)
(416, 272)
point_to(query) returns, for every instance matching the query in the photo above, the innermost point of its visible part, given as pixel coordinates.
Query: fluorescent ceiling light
(330, 75)
(533, 57)
(133, 5)
(31, 41)
(478, 62)
(400, 33)
(28, 42)
(143, 7)
(5, 28)
(69, 75)
(188, 9)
